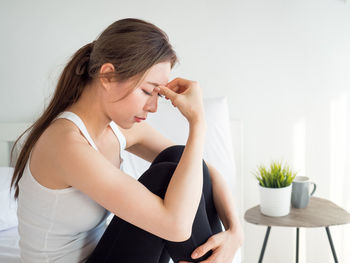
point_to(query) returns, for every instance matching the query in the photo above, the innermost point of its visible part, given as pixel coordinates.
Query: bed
(223, 149)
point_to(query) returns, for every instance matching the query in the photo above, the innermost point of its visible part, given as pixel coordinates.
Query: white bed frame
(9, 132)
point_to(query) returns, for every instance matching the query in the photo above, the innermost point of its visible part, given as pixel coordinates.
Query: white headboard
(9, 132)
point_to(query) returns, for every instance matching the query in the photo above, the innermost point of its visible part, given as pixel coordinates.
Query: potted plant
(275, 185)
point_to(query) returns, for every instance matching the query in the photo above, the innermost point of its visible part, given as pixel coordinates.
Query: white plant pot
(275, 201)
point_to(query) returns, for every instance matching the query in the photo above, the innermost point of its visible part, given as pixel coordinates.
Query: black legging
(125, 243)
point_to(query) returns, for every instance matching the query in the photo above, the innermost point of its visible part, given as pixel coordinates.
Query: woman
(69, 174)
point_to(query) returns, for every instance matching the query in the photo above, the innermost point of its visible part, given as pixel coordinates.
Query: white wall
(284, 65)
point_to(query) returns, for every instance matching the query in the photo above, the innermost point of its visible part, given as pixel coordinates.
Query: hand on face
(186, 95)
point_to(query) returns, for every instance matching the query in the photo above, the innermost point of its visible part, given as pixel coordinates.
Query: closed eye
(150, 94)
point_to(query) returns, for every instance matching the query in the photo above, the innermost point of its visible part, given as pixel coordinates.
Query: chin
(129, 127)
(125, 125)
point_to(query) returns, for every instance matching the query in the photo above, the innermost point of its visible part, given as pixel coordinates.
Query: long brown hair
(131, 45)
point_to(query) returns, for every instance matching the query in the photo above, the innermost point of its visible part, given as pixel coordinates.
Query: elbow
(178, 228)
(181, 231)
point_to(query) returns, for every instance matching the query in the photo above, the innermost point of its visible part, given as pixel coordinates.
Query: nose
(152, 103)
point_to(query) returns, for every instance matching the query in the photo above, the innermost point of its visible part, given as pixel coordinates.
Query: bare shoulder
(47, 152)
(59, 135)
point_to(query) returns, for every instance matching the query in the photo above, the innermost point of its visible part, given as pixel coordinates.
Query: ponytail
(68, 91)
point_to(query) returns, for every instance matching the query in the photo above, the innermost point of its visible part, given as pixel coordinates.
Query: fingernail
(195, 255)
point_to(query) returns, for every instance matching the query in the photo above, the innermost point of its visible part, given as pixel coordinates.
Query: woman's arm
(87, 170)
(146, 142)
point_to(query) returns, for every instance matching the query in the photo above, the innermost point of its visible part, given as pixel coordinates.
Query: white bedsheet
(9, 250)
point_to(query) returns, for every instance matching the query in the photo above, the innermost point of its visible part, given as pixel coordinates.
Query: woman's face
(141, 100)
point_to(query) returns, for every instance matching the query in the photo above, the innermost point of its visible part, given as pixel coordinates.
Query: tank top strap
(122, 142)
(119, 135)
(76, 119)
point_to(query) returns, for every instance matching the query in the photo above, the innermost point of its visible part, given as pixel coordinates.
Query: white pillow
(218, 149)
(8, 206)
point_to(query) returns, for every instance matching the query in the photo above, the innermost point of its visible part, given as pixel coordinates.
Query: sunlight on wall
(339, 166)
(338, 134)
(299, 144)
(299, 159)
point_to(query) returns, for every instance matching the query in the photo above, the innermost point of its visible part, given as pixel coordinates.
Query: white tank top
(62, 225)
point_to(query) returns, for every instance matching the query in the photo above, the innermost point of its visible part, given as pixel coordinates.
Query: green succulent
(277, 176)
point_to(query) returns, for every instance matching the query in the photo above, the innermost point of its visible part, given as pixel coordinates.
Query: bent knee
(170, 154)
(175, 148)
(157, 177)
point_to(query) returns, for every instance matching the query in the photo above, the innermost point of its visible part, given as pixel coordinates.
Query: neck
(91, 113)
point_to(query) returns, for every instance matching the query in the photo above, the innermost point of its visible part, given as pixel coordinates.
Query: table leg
(332, 246)
(297, 249)
(264, 245)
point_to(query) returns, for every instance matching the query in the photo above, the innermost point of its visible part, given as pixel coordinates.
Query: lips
(139, 119)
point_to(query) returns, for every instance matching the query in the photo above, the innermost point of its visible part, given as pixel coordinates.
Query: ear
(106, 72)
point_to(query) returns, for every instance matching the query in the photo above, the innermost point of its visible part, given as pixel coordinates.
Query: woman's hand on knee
(224, 246)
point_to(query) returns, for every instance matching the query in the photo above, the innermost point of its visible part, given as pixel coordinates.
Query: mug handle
(313, 191)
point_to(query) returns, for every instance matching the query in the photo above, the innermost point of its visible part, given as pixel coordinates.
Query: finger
(214, 257)
(184, 262)
(179, 85)
(168, 93)
(156, 91)
(203, 249)
(177, 89)
(179, 82)
(174, 88)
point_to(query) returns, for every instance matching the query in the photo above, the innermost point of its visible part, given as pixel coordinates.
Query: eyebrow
(153, 83)
(156, 85)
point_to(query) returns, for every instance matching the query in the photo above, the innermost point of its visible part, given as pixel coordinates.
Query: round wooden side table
(319, 213)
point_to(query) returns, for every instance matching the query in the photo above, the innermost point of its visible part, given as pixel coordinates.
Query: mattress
(9, 250)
